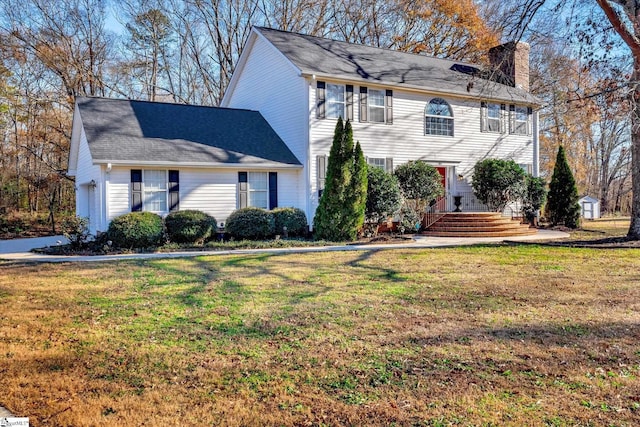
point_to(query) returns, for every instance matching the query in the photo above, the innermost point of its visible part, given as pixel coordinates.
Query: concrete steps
(484, 224)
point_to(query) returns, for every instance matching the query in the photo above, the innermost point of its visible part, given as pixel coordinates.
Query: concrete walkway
(418, 242)
(25, 245)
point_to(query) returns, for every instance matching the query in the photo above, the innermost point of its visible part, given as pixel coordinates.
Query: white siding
(405, 139)
(290, 185)
(269, 83)
(210, 191)
(213, 191)
(88, 198)
(118, 199)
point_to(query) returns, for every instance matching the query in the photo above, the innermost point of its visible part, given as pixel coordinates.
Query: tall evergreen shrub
(340, 212)
(562, 200)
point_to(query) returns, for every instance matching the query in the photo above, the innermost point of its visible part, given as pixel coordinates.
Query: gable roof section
(327, 58)
(139, 132)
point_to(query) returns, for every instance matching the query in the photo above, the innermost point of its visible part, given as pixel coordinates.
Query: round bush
(189, 226)
(136, 230)
(251, 224)
(293, 218)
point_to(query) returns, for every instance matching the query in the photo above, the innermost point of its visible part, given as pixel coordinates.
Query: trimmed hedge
(251, 224)
(293, 218)
(136, 230)
(190, 226)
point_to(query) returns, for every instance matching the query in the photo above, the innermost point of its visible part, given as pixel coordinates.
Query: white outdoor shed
(589, 207)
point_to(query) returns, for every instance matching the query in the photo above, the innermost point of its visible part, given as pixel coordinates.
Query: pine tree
(340, 213)
(562, 200)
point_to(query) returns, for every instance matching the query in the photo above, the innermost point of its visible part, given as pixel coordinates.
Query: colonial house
(269, 143)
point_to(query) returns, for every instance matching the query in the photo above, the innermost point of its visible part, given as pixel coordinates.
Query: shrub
(250, 223)
(383, 196)
(189, 226)
(136, 230)
(498, 182)
(562, 203)
(420, 184)
(76, 230)
(534, 198)
(340, 213)
(293, 218)
(410, 220)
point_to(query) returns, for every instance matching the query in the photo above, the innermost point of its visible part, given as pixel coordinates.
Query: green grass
(482, 335)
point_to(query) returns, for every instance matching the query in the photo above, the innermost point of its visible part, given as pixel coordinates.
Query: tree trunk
(634, 228)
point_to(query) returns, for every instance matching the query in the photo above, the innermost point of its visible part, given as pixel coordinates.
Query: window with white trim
(375, 99)
(525, 167)
(154, 190)
(258, 189)
(494, 119)
(335, 101)
(521, 120)
(377, 162)
(438, 118)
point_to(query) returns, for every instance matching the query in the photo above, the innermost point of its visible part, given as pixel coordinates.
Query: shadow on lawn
(384, 273)
(564, 334)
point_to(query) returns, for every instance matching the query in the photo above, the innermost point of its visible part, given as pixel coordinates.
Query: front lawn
(485, 335)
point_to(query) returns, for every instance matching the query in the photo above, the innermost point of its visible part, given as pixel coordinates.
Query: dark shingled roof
(125, 131)
(331, 58)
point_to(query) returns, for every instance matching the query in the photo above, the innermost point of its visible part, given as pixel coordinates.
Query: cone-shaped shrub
(562, 200)
(340, 213)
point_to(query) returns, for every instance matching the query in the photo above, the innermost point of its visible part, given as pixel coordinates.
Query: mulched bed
(382, 239)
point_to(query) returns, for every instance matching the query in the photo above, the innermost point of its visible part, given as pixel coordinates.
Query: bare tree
(625, 19)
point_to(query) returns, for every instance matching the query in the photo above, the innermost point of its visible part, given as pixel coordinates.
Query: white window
(494, 118)
(375, 99)
(377, 162)
(438, 118)
(521, 120)
(525, 167)
(258, 188)
(335, 101)
(155, 191)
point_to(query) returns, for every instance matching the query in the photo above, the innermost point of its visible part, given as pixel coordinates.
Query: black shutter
(320, 100)
(529, 120)
(512, 118)
(388, 104)
(174, 190)
(321, 164)
(363, 104)
(484, 125)
(349, 102)
(243, 193)
(273, 190)
(136, 190)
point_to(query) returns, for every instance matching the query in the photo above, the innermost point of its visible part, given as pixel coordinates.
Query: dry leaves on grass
(524, 335)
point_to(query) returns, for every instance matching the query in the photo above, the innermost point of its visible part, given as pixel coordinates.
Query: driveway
(419, 242)
(25, 245)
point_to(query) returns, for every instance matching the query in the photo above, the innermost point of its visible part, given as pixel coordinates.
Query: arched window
(438, 118)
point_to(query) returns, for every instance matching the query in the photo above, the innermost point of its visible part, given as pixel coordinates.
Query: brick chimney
(512, 60)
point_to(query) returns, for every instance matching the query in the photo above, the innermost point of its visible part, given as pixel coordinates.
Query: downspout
(107, 179)
(536, 145)
(307, 163)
